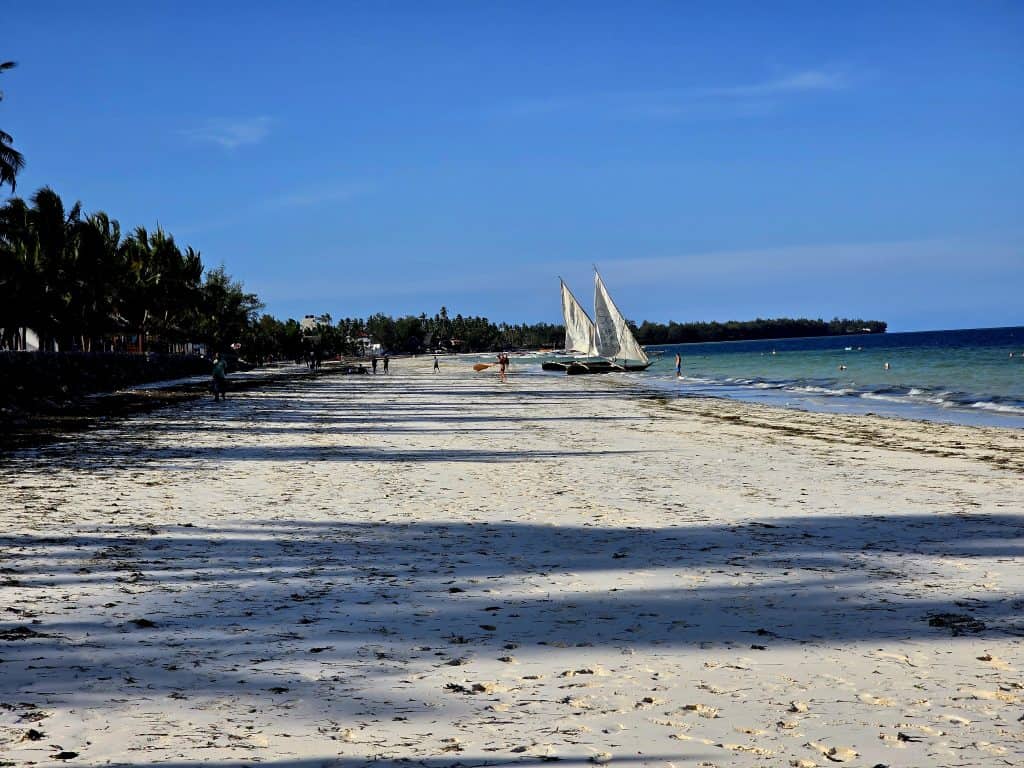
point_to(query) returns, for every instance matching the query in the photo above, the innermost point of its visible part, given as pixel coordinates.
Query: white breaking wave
(810, 388)
(886, 398)
(986, 405)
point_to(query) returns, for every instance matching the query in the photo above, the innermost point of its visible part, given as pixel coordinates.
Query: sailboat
(614, 341)
(603, 345)
(580, 333)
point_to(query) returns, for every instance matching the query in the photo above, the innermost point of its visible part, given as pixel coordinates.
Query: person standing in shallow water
(220, 377)
(373, 363)
(679, 366)
(502, 365)
(386, 360)
(437, 367)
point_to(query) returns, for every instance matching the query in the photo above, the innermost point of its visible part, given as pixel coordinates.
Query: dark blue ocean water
(971, 376)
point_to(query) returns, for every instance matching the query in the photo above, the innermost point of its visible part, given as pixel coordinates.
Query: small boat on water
(603, 345)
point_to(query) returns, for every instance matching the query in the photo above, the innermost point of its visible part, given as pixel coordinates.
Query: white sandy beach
(443, 570)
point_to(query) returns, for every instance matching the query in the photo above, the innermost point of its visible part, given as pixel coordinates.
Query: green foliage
(225, 313)
(11, 160)
(269, 338)
(413, 334)
(80, 285)
(382, 329)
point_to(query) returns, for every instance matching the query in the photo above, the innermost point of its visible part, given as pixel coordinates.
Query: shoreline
(965, 376)
(842, 404)
(443, 568)
(1001, 446)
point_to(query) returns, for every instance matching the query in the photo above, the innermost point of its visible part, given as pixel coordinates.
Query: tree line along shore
(749, 330)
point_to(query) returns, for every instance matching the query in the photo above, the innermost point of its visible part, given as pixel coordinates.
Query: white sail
(579, 328)
(614, 339)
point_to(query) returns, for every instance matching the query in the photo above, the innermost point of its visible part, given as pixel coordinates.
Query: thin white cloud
(905, 282)
(810, 261)
(295, 198)
(231, 133)
(696, 102)
(799, 82)
(309, 197)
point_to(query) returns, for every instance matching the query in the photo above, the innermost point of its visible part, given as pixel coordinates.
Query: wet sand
(445, 570)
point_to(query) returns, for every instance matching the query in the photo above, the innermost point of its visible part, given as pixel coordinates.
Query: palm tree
(99, 274)
(134, 301)
(54, 231)
(162, 289)
(11, 160)
(37, 243)
(73, 279)
(179, 286)
(20, 274)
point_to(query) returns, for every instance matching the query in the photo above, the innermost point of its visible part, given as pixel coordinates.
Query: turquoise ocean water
(965, 376)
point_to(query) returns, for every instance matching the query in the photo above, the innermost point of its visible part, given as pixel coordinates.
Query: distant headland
(751, 330)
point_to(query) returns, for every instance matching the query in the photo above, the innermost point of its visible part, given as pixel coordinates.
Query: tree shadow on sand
(356, 619)
(463, 761)
(343, 594)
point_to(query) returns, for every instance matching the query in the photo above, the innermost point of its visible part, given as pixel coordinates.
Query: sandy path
(444, 570)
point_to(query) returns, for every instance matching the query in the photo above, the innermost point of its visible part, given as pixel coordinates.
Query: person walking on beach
(386, 360)
(437, 367)
(679, 366)
(502, 366)
(220, 377)
(373, 363)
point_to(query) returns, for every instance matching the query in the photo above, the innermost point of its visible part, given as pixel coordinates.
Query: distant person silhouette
(220, 377)
(386, 361)
(373, 363)
(437, 367)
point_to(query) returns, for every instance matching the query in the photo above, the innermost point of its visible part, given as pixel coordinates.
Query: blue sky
(716, 160)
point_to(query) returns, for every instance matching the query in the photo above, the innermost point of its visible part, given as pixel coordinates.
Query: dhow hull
(582, 369)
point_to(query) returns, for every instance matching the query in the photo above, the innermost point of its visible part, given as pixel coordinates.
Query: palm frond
(5, 65)
(11, 163)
